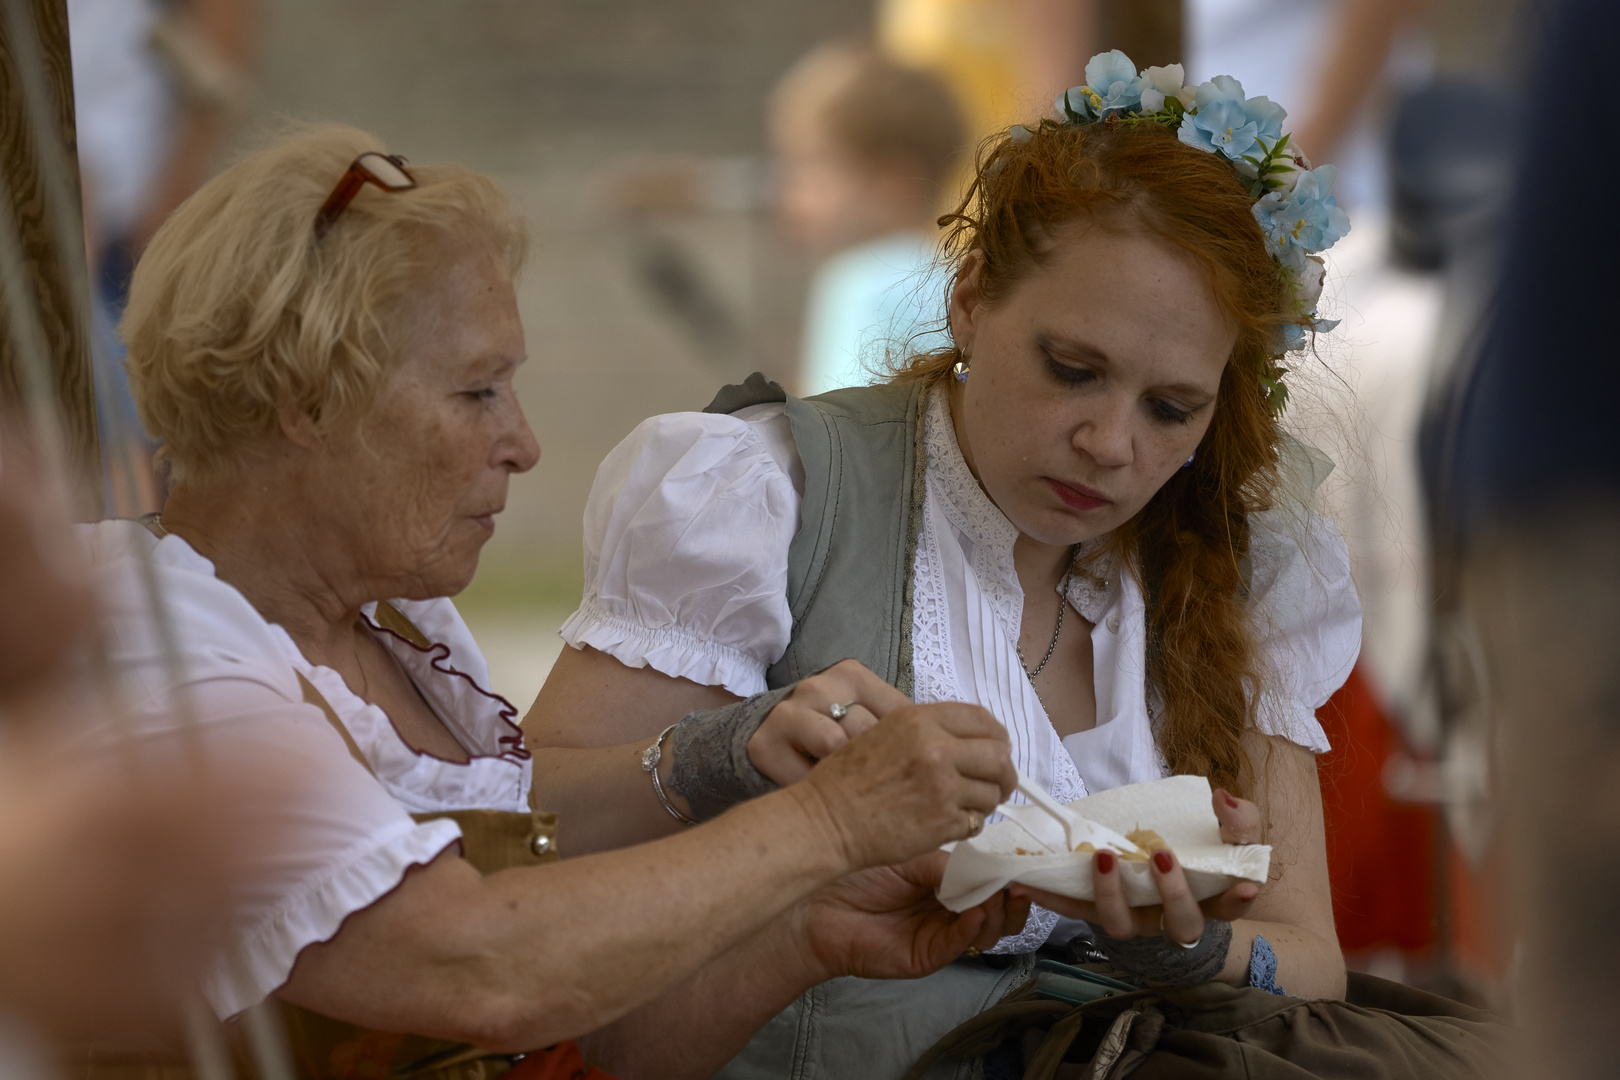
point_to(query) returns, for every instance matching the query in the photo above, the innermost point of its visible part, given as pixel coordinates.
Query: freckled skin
(1079, 373)
(437, 451)
(1142, 320)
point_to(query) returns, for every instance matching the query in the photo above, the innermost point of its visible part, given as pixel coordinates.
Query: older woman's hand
(802, 729)
(884, 923)
(922, 776)
(1180, 916)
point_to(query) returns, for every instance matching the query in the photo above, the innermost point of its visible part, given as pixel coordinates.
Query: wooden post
(57, 277)
(1148, 31)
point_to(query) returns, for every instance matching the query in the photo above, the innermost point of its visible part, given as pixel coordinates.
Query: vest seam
(905, 671)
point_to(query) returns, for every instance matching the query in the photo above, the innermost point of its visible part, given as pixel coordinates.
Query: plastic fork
(1077, 830)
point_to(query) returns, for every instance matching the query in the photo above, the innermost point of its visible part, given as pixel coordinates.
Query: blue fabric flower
(1077, 103)
(1112, 86)
(1227, 122)
(1113, 78)
(1304, 219)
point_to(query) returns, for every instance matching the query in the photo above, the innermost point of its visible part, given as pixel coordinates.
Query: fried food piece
(1147, 842)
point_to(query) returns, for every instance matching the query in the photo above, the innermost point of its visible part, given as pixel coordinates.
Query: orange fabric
(561, 1062)
(1381, 857)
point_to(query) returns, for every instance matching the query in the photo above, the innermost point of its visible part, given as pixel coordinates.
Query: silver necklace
(1057, 632)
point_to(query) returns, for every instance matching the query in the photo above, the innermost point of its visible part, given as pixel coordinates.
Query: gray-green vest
(849, 591)
(850, 563)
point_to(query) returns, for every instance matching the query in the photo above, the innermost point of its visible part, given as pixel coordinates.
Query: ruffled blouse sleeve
(1308, 620)
(686, 548)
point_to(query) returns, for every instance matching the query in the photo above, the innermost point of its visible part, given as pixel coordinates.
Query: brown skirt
(1381, 1031)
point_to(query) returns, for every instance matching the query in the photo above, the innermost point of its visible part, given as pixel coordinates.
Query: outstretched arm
(882, 923)
(594, 716)
(526, 958)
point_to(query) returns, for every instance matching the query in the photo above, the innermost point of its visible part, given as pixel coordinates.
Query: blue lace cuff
(1263, 967)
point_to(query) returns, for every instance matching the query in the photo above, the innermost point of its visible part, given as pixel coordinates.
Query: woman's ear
(965, 301)
(297, 427)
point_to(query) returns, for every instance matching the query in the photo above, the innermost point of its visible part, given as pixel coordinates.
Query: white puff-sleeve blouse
(345, 837)
(686, 537)
(686, 550)
(686, 547)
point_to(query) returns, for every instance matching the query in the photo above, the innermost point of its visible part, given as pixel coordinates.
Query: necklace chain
(1057, 631)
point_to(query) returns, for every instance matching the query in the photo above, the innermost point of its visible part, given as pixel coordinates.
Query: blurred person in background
(1525, 474)
(1002, 59)
(158, 87)
(861, 149)
(325, 340)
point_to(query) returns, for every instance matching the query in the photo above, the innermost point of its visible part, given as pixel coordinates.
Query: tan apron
(329, 1049)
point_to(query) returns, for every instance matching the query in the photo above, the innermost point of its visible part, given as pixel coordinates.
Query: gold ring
(971, 950)
(975, 823)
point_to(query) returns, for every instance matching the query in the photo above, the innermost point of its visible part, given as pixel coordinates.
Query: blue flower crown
(1294, 202)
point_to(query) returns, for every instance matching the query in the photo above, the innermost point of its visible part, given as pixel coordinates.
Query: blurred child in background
(862, 148)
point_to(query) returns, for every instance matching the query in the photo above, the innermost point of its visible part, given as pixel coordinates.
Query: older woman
(324, 339)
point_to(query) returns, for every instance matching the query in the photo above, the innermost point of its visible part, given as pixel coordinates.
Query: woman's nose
(518, 449)
(1105, 435)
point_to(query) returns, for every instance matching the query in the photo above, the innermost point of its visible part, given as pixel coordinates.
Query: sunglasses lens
(385, 172)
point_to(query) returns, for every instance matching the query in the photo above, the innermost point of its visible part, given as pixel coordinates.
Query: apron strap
(390, 617)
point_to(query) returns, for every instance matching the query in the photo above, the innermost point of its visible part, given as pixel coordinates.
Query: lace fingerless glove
(1157, 959)
(711, 766)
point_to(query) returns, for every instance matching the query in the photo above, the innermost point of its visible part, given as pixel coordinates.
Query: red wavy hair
(1189, 546)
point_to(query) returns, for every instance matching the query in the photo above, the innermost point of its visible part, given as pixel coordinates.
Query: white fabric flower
(1165, 82)
(1311, 279)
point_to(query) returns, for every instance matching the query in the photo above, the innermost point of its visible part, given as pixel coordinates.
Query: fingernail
(1162, 860)
(1105, 862)
(1227, 795)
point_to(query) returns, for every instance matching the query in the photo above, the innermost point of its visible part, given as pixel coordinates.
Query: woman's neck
(273, 558)
(1040, 566)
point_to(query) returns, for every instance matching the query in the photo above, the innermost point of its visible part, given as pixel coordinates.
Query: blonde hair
(236, 311)
(877, 111)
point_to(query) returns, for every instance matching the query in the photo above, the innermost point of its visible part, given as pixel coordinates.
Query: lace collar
(969, 509)
(972, 513)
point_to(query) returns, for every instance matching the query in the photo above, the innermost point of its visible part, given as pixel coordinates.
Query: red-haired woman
(1084, 516)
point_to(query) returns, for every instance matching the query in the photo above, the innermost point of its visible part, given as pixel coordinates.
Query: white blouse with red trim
(348, 838)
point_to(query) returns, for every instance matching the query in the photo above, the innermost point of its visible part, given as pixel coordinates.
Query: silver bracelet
(649, 764)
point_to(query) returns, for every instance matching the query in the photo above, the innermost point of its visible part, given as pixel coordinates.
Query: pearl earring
(959, 370)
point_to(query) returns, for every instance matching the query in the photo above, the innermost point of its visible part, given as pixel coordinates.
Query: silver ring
(1183, 944)
(839, 710)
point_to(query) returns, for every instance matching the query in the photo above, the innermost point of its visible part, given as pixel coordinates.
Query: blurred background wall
(549, 98)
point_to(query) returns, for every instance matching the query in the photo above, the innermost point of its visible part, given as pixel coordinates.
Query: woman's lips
(1078, 498)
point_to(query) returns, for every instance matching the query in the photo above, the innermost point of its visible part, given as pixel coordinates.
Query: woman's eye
(1169, 413)
(1068, 374)
(488, 393)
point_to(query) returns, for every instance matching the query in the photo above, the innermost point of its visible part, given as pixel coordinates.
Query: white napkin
(1028, 847)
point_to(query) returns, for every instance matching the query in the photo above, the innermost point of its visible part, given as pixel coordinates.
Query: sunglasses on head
(387, 171)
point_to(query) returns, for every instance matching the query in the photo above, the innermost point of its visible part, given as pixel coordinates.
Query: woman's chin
(1064, 527)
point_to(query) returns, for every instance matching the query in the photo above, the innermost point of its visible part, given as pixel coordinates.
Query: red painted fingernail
(1162, 860)
(1105, 862)
(1227, 795)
